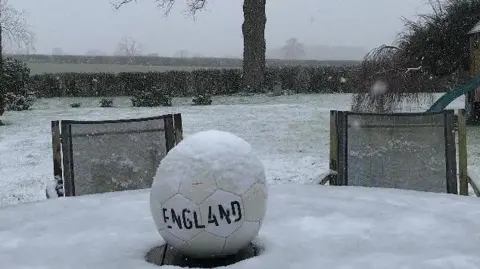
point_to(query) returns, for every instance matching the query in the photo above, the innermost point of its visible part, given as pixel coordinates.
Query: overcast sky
(77, 26)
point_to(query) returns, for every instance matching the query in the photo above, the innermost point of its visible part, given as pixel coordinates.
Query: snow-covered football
(209, 195)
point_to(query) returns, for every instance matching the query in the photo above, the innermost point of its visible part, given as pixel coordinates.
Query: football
(208, 197)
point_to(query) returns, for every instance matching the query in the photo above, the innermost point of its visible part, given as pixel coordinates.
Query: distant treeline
(170, 61)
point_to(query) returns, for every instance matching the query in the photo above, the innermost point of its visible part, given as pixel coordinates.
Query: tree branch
(195, 5)
(192, 5)
(413, 69)
(15, 28)
(118, 4)
(390, 47)
(128, 47)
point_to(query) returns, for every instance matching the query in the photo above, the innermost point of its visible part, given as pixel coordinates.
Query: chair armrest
(474, 181)
(323, 178)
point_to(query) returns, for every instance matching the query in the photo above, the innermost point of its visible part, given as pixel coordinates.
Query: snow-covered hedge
(15, 80)
(194, 83)
(300, 79)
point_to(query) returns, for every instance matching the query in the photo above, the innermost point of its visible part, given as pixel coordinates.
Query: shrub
(202, 100)
(15, 95)
(19, 102)
(155, 96)
(76, 105)
(106, 102)
(16, 75)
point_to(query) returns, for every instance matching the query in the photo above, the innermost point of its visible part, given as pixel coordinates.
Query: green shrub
(19, 102)
(106, 102)
(202, 100)
(16, 75)
(187, 83)
(153, 97)
(16, 95)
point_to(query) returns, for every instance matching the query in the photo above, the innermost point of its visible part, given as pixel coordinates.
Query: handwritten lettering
(186, 219)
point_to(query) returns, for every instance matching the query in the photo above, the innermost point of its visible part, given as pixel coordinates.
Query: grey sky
(80, 25)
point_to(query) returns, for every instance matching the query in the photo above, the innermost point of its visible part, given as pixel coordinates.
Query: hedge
(186, 83)
(211, 82)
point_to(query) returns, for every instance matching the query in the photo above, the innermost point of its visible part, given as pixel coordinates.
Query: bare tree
(293, 49)
(14, 31)
(193, 5)
(128, 46)
(253, 29)
(2, 88)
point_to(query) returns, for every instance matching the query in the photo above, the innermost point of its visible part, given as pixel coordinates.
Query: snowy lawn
(290, 134)
(306, 227)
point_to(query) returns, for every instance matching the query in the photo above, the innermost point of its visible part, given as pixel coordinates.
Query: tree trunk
(254, 46)
(2, 90)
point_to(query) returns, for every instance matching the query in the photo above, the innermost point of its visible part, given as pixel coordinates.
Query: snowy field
(290, 134)
(307, 226)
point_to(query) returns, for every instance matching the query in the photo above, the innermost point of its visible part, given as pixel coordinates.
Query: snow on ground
(289, 133)
(306, 227)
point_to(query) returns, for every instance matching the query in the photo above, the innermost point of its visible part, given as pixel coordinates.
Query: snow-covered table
(307, 226)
